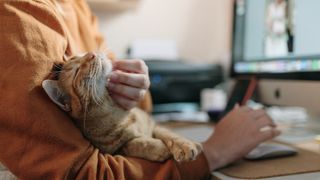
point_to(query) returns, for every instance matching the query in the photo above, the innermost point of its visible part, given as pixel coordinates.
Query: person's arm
(38, 140)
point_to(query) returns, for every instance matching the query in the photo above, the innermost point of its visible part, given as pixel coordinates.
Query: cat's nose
(89, 56)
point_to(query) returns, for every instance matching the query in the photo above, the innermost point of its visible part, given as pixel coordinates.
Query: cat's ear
(56, 94)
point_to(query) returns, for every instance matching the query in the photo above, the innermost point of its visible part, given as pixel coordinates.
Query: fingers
(236, 106)
(256, 114)
(132, 93)
(128, 82)
(265, 125)
(265, 121)
(245, 109)
(262, 123)
(134, 65)
(260, 116)
(269, 134)
(130, 79)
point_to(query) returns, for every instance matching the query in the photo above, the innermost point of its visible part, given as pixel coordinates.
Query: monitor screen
(277, 38)
(277, 42)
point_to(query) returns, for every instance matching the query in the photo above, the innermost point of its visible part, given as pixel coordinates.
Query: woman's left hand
(129, 82)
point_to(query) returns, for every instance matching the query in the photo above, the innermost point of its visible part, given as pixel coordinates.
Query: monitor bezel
(285, 76)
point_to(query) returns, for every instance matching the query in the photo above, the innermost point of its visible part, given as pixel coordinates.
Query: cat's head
(82, 82)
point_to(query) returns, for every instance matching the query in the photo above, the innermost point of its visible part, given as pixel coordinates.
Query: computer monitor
(278, 42)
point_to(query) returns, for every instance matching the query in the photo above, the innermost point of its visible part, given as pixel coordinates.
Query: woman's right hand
(129, 82)
(237, 134)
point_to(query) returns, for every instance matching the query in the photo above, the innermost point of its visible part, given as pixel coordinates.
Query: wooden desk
(200, 131)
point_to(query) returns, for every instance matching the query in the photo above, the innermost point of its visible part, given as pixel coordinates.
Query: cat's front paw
(184, 150)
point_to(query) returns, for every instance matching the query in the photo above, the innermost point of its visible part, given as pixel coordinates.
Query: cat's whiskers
(56, 71)
(85, 108)
(93, 87)
(57, 67)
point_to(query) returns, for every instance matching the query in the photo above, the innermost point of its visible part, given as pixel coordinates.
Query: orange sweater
(37, 139)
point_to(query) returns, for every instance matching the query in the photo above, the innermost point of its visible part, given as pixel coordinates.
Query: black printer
(177, 84)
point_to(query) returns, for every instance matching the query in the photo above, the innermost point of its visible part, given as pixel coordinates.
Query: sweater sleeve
(37, 139)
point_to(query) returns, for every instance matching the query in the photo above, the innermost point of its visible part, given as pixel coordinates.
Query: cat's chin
(107, 69)
(106, 65)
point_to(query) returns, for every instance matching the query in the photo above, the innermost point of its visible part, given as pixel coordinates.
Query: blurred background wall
(201, 29)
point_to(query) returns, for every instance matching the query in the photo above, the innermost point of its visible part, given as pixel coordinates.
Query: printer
(176, 85)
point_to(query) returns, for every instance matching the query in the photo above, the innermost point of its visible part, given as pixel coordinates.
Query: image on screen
(279, 28)
(277, 36)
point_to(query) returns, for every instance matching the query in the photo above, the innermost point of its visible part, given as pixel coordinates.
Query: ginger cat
(81, 91)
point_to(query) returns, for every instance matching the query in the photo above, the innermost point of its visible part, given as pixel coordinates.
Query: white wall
(201, 28)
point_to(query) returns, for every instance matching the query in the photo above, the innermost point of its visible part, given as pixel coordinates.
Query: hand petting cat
(128, 82)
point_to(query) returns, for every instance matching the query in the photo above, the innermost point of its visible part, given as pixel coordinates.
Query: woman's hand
(236, 135)
(129, 82)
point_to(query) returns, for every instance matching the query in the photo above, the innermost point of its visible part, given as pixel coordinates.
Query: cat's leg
(147, 148)
(181, 148)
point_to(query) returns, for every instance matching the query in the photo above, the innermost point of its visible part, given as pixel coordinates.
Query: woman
(41, 142)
